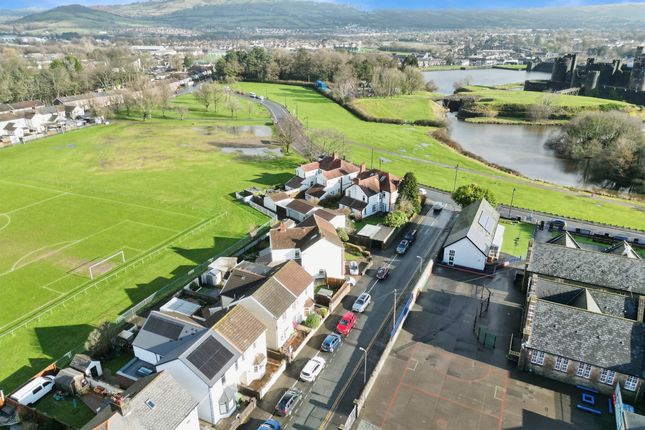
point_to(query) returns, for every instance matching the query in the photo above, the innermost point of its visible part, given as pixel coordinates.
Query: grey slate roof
(564, 239)
(619, 305)
(162, 333)
(477, 222)
(244, 278)
(274, 297)
(600, 340)
(172, 404)
(588, 267)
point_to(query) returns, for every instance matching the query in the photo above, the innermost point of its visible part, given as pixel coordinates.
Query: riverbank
(420, 106)
(403, 148)
(515, 121)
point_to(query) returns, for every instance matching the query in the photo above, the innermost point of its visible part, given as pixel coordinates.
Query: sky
(364, 4)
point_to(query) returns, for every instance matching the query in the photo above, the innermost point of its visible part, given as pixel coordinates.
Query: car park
(411, 236)
(34, 390)
(270, 425)
(331, 342)
(288, 402)
(312, 369)
(346, 323)
(403, 247)
(362, 302)
(353, 268)
(383, 272)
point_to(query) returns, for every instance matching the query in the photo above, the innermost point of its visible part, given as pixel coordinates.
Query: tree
(542, 109)
(99, 341)
(233, 105)
(466, 81)
(412, 80)
(313, 320)
(182, 111)
(164, 96)
(287, 133)
(204, 95)
(431, 86)
(188, 61)
(395, 219)
(176, 62)
(326, 142)
(409, 190)
(410, 61)
(342, 234)
(466, 194)
(345, 83)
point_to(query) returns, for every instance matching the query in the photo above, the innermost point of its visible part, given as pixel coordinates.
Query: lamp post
(511, 208)
(394, 312)
(454, 185)
(365, 364)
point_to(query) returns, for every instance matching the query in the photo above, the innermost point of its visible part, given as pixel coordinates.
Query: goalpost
(116, 254)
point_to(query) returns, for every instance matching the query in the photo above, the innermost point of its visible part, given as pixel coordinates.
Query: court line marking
(8, 218)
(416, 363)
(62, 194)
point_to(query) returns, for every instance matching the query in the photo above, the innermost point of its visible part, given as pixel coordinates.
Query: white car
(34, 390)
(353, 268)
(312, 369)
(362, 302)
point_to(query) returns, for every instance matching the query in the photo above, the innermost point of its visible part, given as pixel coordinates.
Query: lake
(517, 147)
(445, 78)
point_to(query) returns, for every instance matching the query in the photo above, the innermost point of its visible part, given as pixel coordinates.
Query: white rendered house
(373, 191)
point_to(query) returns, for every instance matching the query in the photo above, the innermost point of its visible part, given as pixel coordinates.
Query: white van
(34, 390)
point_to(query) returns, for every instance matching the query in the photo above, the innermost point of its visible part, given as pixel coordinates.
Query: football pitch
(160, 191)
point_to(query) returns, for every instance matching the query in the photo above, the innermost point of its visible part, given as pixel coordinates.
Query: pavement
(327, 402)
(438, 376)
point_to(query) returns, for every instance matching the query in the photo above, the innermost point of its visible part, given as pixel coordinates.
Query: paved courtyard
(438, 376)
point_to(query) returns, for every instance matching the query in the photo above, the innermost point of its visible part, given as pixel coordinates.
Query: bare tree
(233, 105)
(204, 95)
(466, 81)
(164, 96)
(287, 134)
(182, 111)
(345, 83)
(326, 141)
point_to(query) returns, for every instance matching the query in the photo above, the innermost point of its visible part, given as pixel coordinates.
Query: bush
(324, 312)
(99, 341)
(313, 320)
(396, 219)
(342, 234)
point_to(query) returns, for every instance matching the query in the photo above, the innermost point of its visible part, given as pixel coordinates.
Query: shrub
(313, 320)
(342, 234)
(324, 312)
(396, 219)
(99, 341)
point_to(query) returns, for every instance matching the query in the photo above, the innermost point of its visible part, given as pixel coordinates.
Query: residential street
(329, 399)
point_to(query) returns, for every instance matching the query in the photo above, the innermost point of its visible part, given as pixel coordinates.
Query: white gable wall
(465, 254)
(324, 255)
(145, 355)
(191, 422)
(248, 371)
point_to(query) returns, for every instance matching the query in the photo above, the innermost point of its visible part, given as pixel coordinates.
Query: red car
(346, 323)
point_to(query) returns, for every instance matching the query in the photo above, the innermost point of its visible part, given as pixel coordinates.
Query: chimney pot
(362, 167)
(283, 227)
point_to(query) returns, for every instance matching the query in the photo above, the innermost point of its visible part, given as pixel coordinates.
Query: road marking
(501, 390)
(413, 368)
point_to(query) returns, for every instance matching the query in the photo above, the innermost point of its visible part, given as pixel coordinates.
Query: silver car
(362, 302)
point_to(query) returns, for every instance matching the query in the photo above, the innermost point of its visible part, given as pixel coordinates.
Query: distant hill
(13, 14)
(73, 18)
(240, 16)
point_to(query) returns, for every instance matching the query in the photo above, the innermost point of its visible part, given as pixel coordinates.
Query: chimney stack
(361, 167)
(121, 404)
(336, 155)
(282, 227)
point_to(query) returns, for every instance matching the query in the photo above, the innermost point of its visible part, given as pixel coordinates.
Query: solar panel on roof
(162, 327)
(210, 357)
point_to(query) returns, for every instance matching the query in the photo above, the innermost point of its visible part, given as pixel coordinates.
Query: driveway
(329, 399)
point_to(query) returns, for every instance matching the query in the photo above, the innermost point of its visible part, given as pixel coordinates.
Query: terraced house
(584, 317)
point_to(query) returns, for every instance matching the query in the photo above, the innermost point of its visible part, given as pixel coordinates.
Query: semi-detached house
(371, 192)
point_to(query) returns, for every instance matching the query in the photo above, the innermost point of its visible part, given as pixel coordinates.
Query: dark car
(288, 402)
(411, 236)
(558, 224)
(382, 273)
(403, 247)
(331, 342)
(270, 425)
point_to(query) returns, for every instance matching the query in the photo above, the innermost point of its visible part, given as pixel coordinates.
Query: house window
(584, 370)
(364, 198)
(537, 357)
(222, 409)
(297, 253)
(631, 383)
(373, 208)
(224, 380)
(607, 376)
(561, 364)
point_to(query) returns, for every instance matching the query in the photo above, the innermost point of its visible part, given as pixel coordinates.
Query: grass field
(516, 238)
(75, 198)
(413, 107)
(410, 148)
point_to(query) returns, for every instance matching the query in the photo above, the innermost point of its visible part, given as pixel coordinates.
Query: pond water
(445, 78)
(252, 151)
(240, 130)
(517, 147)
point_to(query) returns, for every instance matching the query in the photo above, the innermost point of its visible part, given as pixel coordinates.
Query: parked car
(362, 302)
(351, 281)
(253, 95)
(383, 272)
(403, 247)
(353, 268)
(261, 98)
(270, 425)
(422, 191)
(559, 224)
(438, 206)
(411, 236)
(331, 342)
(288, 402)
(34, 390)
(346, 323)
(312, 369)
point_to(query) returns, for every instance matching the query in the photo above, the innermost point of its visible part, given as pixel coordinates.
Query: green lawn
(378, 218)
(395, 143)
(75, 198)
(73, 413)
(516, 238)
(496, 97)
(413, 107)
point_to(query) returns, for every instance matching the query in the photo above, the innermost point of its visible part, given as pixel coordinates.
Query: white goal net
(106, 264)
